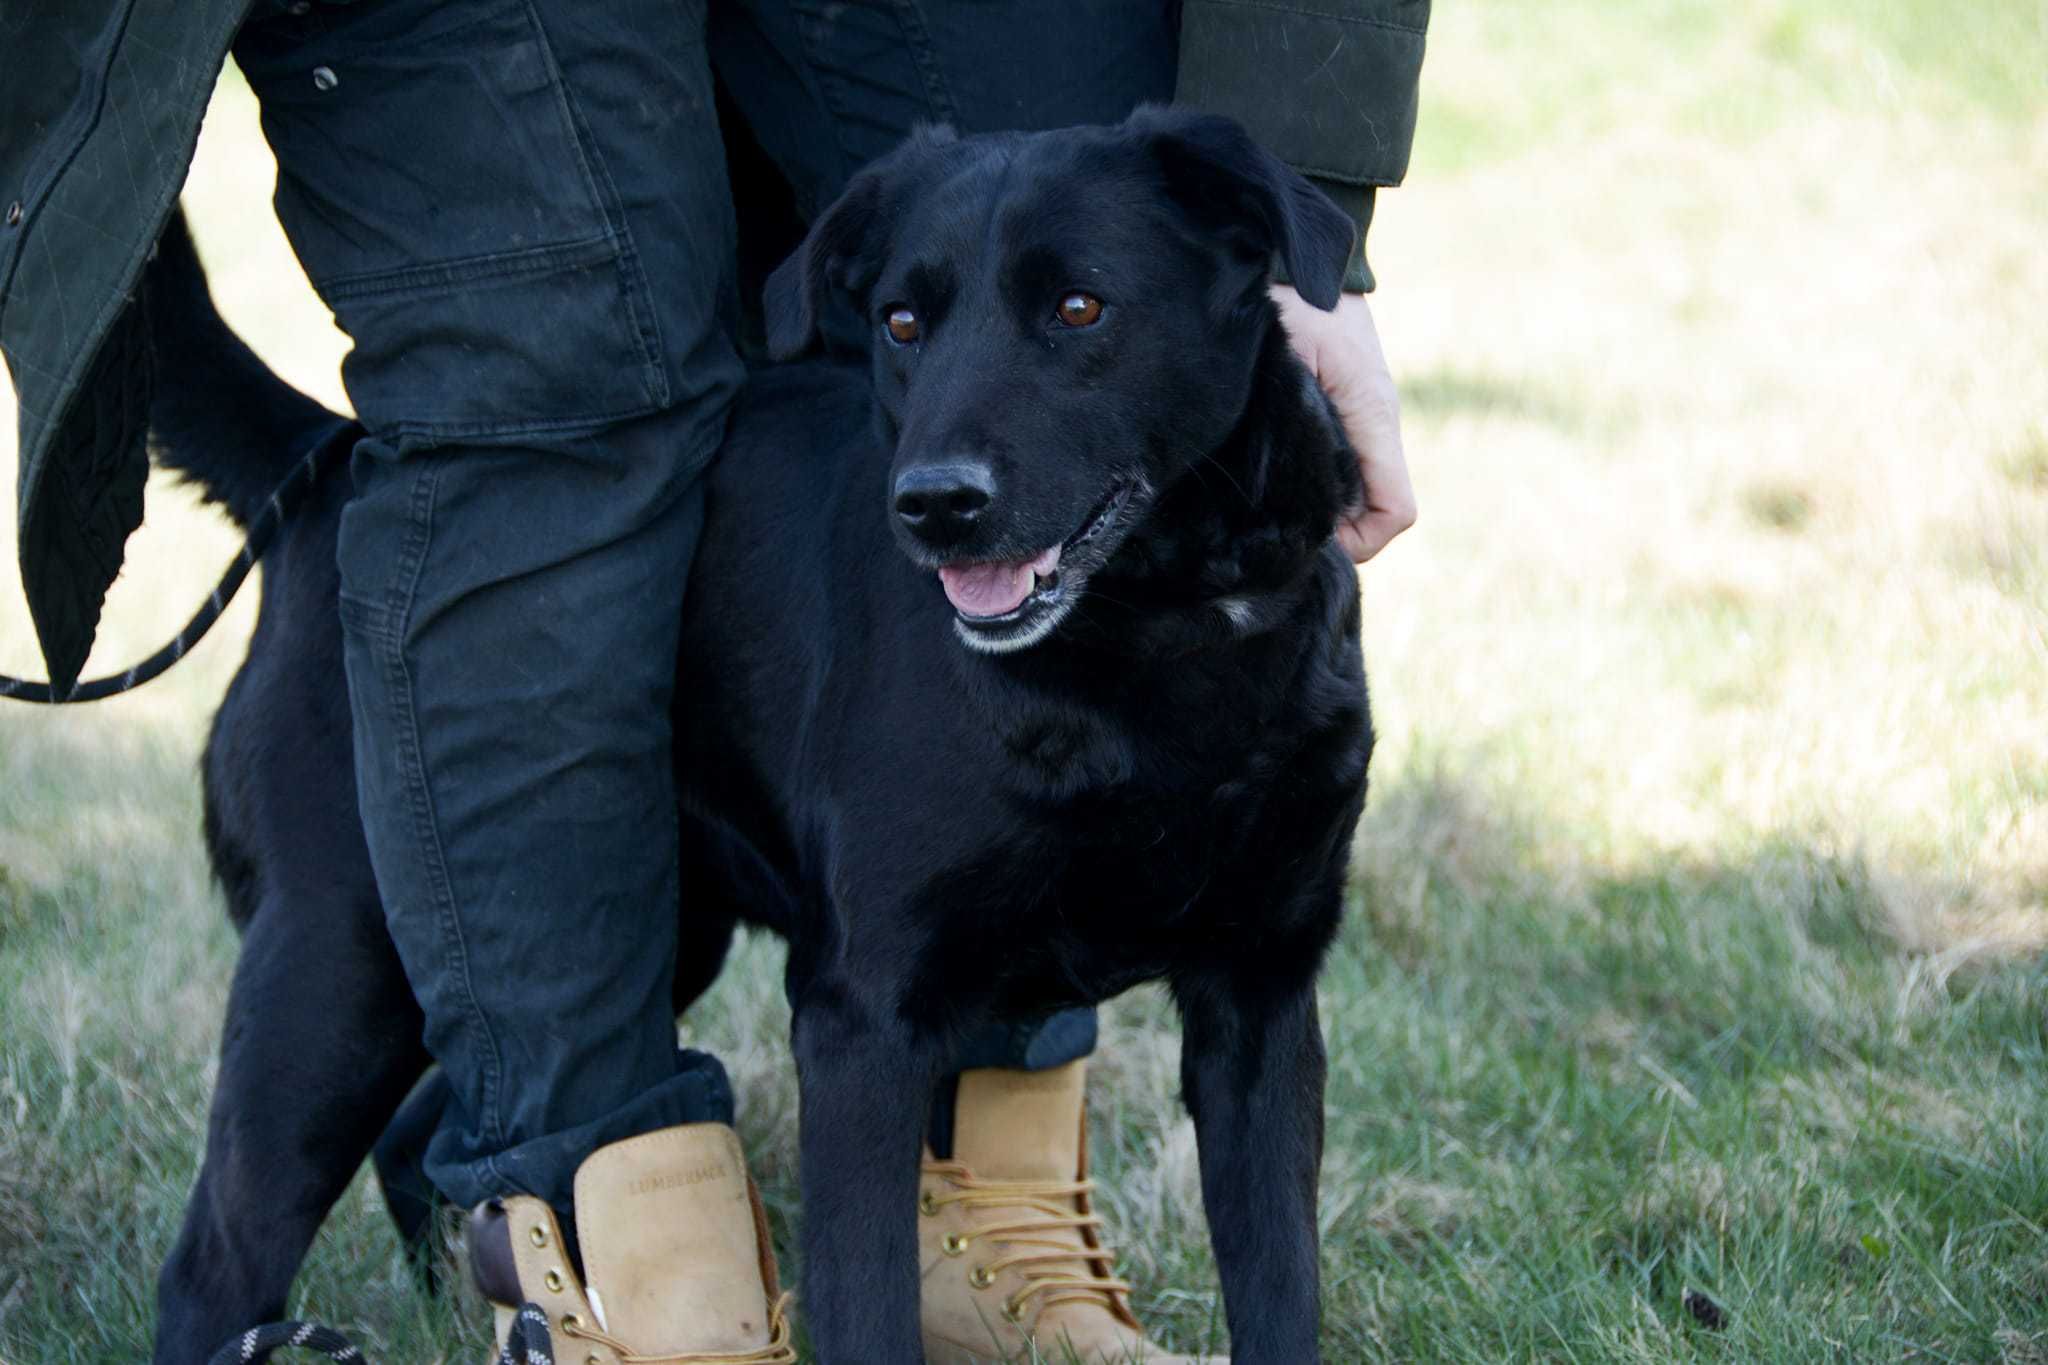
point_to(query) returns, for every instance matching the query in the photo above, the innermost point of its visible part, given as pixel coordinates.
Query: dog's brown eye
(903, 325)
(1080, 310)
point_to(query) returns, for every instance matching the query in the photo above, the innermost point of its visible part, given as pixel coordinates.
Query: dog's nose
(940, 503)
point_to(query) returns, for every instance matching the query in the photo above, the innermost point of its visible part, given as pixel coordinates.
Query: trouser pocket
(441, 191)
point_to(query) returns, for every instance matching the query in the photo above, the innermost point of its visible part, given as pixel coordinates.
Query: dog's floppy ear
(1223, 178)
(843, 248)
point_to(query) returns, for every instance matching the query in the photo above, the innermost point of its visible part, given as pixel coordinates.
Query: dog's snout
(941, 503)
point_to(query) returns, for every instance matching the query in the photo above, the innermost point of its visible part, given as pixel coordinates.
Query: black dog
(1022, 669)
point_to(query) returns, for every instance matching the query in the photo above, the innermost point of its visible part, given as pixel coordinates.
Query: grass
(1701, 902)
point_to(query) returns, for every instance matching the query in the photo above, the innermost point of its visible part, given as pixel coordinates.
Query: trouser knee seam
(413, 777)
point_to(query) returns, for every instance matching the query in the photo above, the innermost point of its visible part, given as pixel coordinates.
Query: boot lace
(1054, 1270)
(778, 1351)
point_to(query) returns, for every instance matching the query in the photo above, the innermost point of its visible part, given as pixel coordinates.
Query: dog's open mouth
(1009, 603)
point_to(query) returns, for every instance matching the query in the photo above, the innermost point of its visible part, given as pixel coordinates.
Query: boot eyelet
(553, 1280)
(572, 1323)
(1013, 1311)
(953, 1244)
(929, 1203)
(537, 1235)
(980, 1278)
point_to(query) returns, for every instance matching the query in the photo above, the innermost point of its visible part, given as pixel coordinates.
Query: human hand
(1342, 350)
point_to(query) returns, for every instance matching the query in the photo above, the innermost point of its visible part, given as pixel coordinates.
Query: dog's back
(280, 818)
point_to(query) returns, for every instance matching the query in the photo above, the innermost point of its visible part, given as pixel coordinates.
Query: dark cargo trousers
(520, 212)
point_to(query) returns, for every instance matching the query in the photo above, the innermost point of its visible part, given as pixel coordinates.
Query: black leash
(527, 1343)
(284, 501)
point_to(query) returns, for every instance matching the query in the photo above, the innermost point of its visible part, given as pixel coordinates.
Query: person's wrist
(1342, 349)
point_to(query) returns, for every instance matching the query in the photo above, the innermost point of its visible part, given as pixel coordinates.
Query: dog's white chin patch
(1022, 635)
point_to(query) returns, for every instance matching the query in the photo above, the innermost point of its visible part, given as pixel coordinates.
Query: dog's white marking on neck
(1237, 611)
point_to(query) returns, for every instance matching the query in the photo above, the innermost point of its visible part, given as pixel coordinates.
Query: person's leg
(486, 193)
(826, 88)
(510, 623)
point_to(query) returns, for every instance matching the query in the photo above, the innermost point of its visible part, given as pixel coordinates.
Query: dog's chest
(1101, 890)
(1129, 823)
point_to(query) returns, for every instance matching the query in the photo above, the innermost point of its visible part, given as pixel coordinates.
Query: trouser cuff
(546, 1167)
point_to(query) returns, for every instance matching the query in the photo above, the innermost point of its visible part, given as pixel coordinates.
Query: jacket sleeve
(1328, 85)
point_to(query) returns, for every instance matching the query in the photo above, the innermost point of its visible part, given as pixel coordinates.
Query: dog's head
(1063, 323)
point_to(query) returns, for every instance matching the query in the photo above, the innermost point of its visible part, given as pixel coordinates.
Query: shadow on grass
(1564, 1093)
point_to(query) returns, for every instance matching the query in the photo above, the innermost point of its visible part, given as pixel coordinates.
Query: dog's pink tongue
(997, 588)
(987, 589)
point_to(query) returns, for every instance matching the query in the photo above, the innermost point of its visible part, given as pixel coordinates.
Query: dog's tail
(218, 415)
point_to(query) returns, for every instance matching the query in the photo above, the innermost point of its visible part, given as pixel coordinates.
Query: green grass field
(1702, 898)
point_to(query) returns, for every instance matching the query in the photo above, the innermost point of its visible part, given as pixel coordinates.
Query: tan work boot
(1012, 1255)
(676, 1250)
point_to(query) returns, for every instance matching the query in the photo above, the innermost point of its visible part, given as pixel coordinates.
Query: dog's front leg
(1252, 1076)
(864, 1085)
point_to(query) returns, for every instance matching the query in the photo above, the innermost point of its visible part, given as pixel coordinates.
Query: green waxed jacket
(100, 105)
